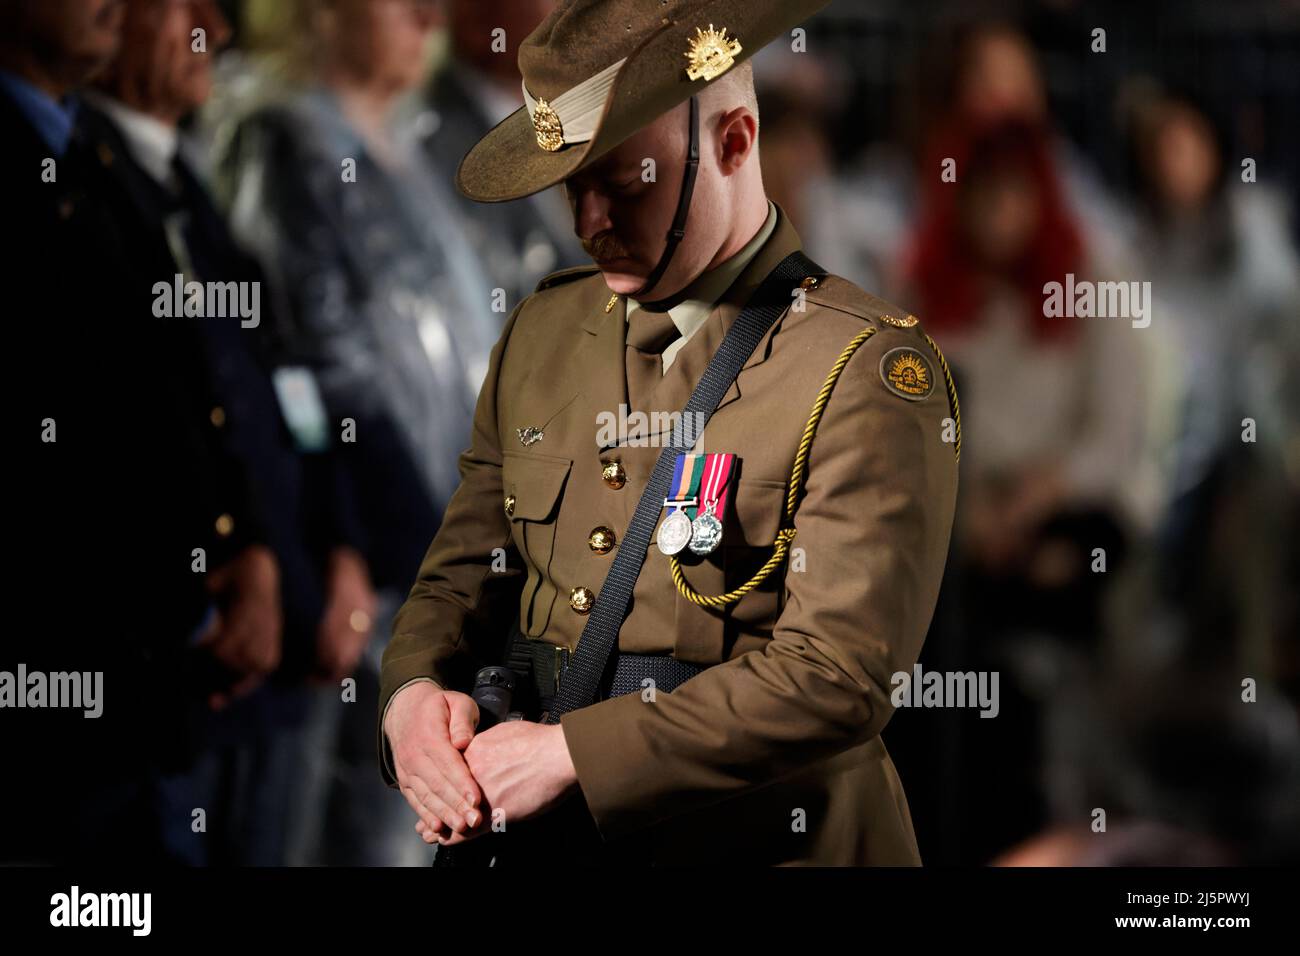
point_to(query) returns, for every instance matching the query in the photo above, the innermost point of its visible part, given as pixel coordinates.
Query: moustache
(604, 246)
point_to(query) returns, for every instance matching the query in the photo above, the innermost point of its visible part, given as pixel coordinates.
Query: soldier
(710, 636)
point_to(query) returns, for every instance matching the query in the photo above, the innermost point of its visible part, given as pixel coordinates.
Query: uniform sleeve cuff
(609, 786)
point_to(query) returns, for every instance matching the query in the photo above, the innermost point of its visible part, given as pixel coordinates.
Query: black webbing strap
(678, 228)
(587, 665)
(540, 663)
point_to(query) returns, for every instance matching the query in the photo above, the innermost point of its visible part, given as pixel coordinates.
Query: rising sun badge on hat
(547, 126)
(712, 53)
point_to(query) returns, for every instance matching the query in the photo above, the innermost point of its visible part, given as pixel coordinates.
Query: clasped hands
(456, 780)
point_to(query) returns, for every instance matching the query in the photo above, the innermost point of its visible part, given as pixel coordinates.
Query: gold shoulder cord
(786, 535)
(952, 395)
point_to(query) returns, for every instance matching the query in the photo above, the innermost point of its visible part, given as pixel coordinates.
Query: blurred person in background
(1053, 418)
(385, 298)
(1187, 771)
(1127, 843)
(143, 548)
(476, 87)
(387, 304)
(242, 757)
(1216, 245)
(996, 76)
(982, 73)
(797, 158)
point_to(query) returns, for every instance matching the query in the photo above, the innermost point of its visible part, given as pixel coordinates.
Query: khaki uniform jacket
(773, 755)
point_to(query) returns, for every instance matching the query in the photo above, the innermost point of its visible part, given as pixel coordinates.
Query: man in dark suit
(138, 530)
(271, 411)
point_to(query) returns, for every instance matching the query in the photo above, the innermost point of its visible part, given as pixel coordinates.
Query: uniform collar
(698, 299)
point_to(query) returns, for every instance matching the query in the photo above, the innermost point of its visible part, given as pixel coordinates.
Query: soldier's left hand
(523, 769)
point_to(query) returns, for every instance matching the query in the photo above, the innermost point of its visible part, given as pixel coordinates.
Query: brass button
(217, 416)
(225, 524)
(581, 600)
(601, 540)
(510, 506)
(614, 475)
(810, 282)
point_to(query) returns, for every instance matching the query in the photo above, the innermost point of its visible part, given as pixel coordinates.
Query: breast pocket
(749, 531)
(534, 485)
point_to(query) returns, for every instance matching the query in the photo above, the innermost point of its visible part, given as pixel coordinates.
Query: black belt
(543, 664)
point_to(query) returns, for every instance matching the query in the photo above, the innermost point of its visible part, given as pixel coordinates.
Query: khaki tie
(648, 334)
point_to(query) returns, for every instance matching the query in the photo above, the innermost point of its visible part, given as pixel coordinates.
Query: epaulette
(838, 293)
(563, 276)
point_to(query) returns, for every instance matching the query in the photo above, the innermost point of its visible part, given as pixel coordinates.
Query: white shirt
(153, 143)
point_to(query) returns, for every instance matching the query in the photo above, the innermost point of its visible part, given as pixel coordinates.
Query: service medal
(675, 532)
(706, 532)
(706, 529)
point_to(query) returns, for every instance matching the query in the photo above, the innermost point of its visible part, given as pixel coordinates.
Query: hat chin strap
(678, 228)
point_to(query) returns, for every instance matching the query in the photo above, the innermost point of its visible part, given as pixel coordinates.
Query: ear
(737, 136)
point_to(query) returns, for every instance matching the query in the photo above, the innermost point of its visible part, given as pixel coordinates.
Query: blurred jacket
(122, 478)
(136, 466)
(520, 242)
(306, 494)
(383, 299)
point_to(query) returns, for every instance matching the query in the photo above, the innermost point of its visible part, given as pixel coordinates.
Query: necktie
(648, 334)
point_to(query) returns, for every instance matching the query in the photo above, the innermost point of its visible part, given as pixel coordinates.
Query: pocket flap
(536, 482)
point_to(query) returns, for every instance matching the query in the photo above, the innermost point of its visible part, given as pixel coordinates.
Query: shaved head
(734, 88)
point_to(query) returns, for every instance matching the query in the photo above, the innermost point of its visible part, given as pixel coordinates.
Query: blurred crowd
(1128, 504)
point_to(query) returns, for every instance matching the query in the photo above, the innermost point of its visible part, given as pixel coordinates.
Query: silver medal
(706, 531)
(675, 532)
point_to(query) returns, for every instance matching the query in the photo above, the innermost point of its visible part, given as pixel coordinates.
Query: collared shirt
(52, 119)
(699, 298)
(152, 142)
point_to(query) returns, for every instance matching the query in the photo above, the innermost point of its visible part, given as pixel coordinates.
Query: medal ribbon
(686, 480)
(717, 474)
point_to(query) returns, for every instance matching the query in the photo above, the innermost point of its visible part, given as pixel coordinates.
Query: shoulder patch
(564, 275)
(907, 373)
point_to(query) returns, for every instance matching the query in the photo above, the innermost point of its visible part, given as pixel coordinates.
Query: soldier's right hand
(428, 729)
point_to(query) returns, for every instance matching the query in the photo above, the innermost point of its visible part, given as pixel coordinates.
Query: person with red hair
(1052, 418)
(1053, 410)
